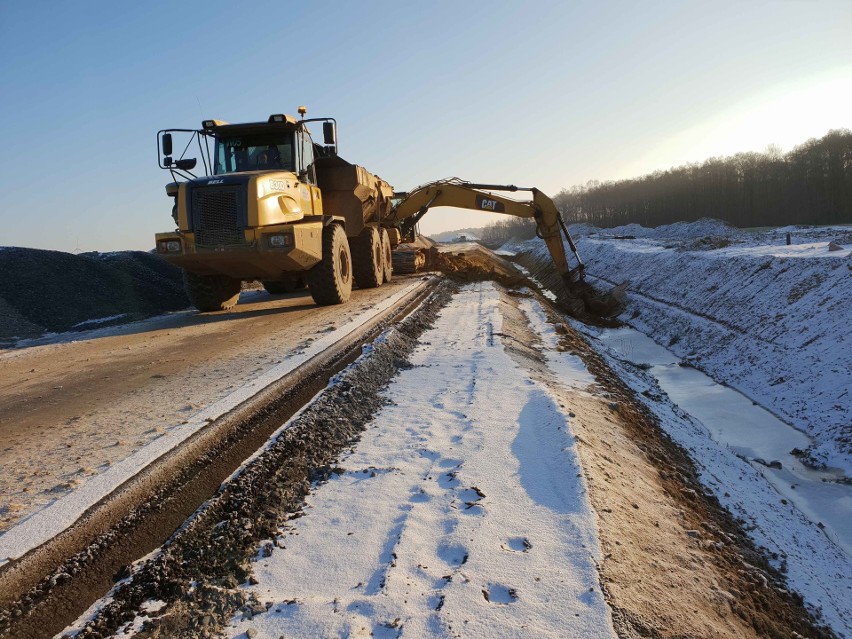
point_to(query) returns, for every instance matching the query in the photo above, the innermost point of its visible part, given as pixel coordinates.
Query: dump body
(354, 193)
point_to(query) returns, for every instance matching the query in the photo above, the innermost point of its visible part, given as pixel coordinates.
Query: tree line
(518, 228)
(812, 184)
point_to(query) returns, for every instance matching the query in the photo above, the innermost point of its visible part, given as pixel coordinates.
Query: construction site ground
(485, 468)
(75, 405)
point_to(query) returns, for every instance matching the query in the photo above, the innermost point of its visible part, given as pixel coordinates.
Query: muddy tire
(387, 257)
(211, 292)
(330, 281)
(287, 285)
(367, 258)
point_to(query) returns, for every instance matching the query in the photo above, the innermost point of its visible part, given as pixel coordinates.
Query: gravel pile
(51, 291)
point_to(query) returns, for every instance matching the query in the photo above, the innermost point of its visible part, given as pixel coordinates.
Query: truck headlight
(169, 246)
(280, 240)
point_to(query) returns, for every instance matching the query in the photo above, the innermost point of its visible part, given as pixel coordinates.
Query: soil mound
(476, 266)
(14, 325)
(55, 291)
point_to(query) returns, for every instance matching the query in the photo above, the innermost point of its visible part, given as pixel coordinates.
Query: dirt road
(70, 410)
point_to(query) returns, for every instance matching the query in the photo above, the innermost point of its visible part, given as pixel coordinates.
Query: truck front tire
(330, 281)
(211, 292)
(367, 258)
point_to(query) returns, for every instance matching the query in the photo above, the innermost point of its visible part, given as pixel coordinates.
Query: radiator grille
(216, 216)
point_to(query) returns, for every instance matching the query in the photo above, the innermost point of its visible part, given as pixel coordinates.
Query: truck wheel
(330, 281)
(286, 285)
(211, 292)
(387, 257)
(367, 258)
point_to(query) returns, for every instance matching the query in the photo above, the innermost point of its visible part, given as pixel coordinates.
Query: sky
(546, 94)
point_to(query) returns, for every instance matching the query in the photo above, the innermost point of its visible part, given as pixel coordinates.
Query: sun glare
(784, 116)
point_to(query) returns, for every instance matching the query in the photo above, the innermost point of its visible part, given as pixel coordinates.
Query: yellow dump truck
(272, 205)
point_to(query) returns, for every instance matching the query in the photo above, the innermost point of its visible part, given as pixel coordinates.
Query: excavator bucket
(591, 302)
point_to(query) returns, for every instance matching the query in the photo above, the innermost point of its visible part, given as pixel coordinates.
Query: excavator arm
(550, 227)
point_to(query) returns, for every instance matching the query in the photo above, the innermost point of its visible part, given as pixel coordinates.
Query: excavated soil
(55, 291)
(475, 264)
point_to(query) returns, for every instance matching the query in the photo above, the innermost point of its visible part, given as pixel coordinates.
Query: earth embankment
(51, 291)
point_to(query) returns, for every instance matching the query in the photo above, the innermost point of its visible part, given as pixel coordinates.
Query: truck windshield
(254, 152)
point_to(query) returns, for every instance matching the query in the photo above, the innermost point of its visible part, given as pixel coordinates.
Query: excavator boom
(550, 227)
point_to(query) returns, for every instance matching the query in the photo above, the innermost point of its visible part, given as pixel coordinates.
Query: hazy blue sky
(546, 94)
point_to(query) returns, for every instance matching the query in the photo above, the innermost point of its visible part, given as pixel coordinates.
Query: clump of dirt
(706, 243)
(805, 287)
(199, 571)
(56, 291)
(477, 266)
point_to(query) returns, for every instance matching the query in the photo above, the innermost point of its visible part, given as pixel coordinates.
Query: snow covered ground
(768, 319)
(773, 322)
(466, 507)
(462, 512)
(784, 508)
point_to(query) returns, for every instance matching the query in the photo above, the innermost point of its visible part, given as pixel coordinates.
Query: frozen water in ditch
(747, 429)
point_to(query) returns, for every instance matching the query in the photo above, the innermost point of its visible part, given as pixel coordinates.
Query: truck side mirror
(167, 143)
(328, 132)
(186, 165)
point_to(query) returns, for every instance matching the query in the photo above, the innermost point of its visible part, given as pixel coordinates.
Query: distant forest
(812, 184)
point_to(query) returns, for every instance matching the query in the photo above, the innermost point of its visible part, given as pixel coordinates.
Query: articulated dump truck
(273, 206)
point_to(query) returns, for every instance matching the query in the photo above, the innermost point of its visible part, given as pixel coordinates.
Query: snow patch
(99, 320)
